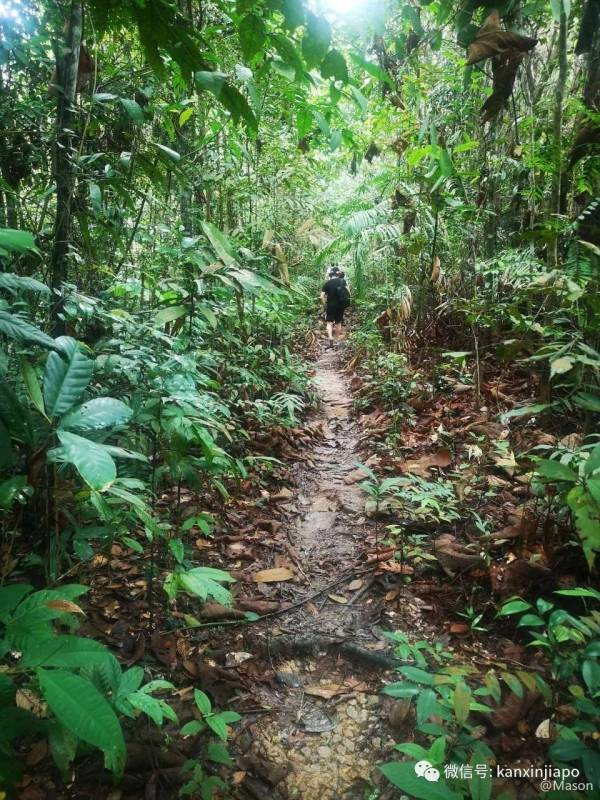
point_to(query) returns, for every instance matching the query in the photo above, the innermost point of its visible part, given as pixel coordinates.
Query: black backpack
(343, 295)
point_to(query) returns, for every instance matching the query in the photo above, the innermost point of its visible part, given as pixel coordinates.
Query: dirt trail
(324, 747)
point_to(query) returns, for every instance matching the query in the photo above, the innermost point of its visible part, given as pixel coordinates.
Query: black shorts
(334, 314)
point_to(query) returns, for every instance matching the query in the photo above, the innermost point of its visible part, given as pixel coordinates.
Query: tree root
(292, 646)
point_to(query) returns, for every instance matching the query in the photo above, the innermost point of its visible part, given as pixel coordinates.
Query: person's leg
(330, 330)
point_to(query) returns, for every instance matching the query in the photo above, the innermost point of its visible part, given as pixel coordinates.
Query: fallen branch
(341, 579)
(312, 645)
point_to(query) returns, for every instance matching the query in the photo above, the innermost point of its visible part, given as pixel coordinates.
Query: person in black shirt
(335, 296)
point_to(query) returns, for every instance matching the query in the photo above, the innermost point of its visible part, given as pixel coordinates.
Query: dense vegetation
(174, 181)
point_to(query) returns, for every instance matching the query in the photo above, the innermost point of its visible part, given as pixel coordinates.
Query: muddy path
(325, 726)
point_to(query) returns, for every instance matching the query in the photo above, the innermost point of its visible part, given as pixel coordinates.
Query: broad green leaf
(228, 96)
(360, 99)
(402, 775)
(66, 377)
(170, 154)
(513, 607)
(530, 621)
(587, 521)
(7, 691)
(64, 651)
(15, 241)
(293, 12)
(304, 121)
(130, 681)
(316, 39)
(13, 489)
(20, 330)
(166, 315)
(480, 787)
(211, 81)
(91, 459)
(334, 66)
(218, 753)
(19, 283)
(221, 244)
(462, 702)
(96, 414)
(80, 707)
(217, 725)
(133, 110)
(11, 596)
(513, 683)
(593, 461)
(202, 702)
(446, 165)
(252, 33)
(63, 746)
(426, 704)
(185, 115)
(417, 675)
(587, 401)
(95, 197)
(149, 705)
(554, 470)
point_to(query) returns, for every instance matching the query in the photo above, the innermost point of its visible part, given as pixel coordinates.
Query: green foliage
(579, 491)
(571, 641)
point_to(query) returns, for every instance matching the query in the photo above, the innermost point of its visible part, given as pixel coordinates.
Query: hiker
(336, 298)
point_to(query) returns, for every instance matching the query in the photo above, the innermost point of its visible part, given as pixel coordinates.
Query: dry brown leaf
(395, 566)
(65, 606)
(337, 598)
(38, 753)
(273, 575)
(29, 701)
(491, 41)
(421, 466)
(459, 628)
(259, 606)
(355, 585)
(325, 690)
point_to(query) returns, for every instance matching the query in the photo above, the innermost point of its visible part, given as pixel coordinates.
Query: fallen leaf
(38, 753)
(395, 566)
(273, 575)
(543, 729)
(216, 611)
(283, 494)
(355, 585)
(66, 606)
(459, 628)
(337, 598)
(421, 466)
(326, 690)
(259, 606)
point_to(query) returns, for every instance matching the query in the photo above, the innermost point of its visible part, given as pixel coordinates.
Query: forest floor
(320, 572)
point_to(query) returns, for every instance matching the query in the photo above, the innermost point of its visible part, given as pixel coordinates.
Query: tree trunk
(67, 63)
(555, 200)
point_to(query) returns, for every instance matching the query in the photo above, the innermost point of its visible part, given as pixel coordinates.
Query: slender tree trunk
(559, 95)
(67, 63)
